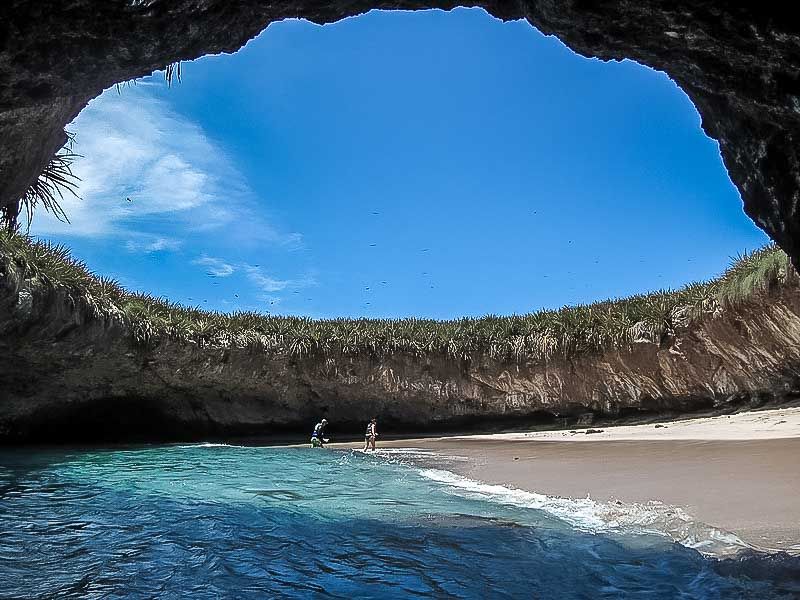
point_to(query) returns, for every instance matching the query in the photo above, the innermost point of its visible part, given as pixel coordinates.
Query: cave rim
(533, 308)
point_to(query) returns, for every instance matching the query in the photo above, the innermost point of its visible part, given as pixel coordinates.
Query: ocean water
(218, 521)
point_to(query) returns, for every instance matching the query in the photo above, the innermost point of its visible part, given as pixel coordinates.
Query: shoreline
(736, 473)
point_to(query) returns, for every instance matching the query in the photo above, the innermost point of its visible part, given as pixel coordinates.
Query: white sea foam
(422, 451)
(408, 453)
(590, 515)
(408, 456)
(210, 445)
(582, 514)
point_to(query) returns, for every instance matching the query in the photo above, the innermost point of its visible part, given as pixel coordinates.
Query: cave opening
(434, 164)
(452, 222)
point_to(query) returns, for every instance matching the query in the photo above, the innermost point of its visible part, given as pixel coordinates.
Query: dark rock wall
(66, 376)
(738, 61)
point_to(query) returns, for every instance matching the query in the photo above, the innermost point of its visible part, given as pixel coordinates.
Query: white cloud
(215, 266)
(144, 167)
(262, 281)
(269, 284)
(265, 282)
(150, 244)
(152, 181)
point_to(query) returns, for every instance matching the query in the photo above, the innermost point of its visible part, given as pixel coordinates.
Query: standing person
(318, 437)
(372, 433)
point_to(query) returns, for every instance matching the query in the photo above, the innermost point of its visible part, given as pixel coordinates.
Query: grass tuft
(749, 274)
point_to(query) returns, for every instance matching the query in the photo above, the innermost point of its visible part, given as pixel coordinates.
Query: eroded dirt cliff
(67, 374)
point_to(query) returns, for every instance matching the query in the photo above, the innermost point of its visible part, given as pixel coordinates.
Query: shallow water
(210, 521)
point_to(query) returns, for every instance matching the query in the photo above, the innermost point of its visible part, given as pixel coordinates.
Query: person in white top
(318, 437)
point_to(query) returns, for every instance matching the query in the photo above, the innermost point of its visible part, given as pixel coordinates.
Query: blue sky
(433, 164)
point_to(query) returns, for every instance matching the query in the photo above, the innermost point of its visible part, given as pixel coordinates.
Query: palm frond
(48, 190)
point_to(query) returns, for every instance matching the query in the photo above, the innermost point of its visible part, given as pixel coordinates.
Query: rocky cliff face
(66, 375)
(738, 62)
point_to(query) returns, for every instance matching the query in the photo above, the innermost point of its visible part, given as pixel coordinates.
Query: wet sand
(735, 473)
(750, 488)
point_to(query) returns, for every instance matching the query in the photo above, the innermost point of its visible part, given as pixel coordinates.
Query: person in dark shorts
(372, 433)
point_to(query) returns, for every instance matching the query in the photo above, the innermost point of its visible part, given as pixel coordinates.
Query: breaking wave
(593, 516)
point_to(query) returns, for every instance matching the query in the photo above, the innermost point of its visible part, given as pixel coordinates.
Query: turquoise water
(215, 521)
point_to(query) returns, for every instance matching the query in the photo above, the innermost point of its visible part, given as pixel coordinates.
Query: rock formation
(738, 62)
(68, 375)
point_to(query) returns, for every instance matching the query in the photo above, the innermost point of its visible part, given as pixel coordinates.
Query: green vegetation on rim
(537, 336)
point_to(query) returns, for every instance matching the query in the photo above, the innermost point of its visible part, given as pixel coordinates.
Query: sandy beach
(737, 473)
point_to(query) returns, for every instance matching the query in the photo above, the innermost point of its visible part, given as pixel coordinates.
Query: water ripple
(221, 521)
